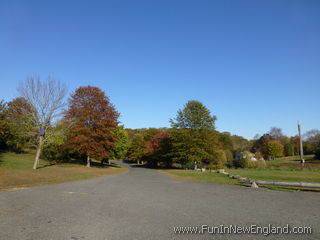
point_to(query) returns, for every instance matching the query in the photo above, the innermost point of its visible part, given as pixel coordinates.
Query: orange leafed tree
(92, 119)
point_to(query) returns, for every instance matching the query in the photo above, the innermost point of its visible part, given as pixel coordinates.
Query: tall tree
(47, 101)
(194, 115)
(93, 120)
(193, 136)
(21, 125)
(3, 124)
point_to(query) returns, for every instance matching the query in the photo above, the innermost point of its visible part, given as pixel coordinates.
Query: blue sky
(254, 64)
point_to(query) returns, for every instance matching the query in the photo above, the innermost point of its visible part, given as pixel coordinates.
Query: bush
(220, 159)
(54, 150)
(260, 164)
(244, 162)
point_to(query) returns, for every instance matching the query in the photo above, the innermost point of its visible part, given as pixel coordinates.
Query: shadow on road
(134, 164)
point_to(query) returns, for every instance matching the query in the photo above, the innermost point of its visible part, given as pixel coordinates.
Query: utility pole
(301, 147)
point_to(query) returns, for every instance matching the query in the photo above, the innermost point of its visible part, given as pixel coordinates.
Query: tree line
(192, 139)
(86, 127)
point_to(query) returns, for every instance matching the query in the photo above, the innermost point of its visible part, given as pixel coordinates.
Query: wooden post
(301, 147)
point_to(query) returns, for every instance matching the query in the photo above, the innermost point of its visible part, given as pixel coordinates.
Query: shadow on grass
(46, 165)
(2, 153)
(1, 156)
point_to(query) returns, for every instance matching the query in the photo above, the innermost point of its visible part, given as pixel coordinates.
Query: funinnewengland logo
(237, 229)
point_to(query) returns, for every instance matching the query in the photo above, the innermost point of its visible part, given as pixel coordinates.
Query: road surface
(148, 204)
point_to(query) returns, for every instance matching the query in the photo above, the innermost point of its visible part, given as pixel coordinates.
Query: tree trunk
(88, 161)
(36, 161)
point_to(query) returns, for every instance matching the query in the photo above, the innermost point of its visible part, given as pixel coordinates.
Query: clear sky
(254, 64)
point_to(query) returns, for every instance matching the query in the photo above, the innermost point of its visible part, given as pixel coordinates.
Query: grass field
(294, 163)
(286, 175)
(286, 169)
(16, 171)
(196, 176)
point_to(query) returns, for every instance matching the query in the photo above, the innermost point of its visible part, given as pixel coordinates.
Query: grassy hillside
(16, 171)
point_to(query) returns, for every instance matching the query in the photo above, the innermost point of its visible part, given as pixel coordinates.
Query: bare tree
(313, 137)
(47, 100)
(276, 133)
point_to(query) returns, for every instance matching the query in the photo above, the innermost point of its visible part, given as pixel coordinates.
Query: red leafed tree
(158, 149)
(93, 119)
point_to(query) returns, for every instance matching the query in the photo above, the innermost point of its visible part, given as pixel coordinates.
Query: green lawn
(16, 171)
(294, 163)
(191, 175)
(288, 175)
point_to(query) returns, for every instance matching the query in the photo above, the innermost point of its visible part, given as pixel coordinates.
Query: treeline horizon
(87, 127)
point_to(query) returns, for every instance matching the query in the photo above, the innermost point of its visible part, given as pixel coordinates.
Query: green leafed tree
(21, 127)
(193, 135)
(3, 124)
(121, 144)
(137, 148)
(194, 115)
(275, 149)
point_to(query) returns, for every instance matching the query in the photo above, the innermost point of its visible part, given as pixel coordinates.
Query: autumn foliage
(93, 119)
(158, 149)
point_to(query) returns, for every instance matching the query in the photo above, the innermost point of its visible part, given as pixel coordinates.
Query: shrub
(54, 150)
(220, 159)
(244, 162)
(260, 164)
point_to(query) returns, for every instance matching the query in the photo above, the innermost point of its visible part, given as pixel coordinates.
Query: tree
(3, 124)
(47, 101)
(122, 144)
(138, 142)
(276, 133)
(312, 140)
(317, 153)
(289, 149)
(194, 115)
(137, 149)
(225, 141)
(20, 124)
(275, 149)
(55, 148)
(261, 145)
(158, 149)
(239, 143)
(93, 120)
(193, 135)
